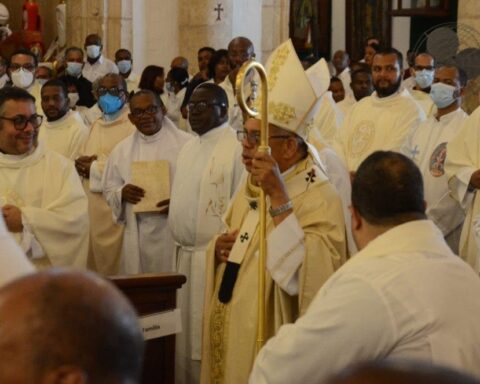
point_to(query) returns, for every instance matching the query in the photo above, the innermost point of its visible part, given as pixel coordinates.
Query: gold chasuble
(230, 329)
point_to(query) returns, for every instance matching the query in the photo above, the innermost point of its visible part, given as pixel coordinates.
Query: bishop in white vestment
(209, 169)
(147, 243)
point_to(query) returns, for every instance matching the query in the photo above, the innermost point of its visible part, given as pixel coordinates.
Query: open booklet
(154, 178)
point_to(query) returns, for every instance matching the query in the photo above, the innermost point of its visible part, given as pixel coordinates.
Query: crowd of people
(370, 180)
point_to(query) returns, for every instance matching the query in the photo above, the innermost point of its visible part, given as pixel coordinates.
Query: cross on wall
(219, 10)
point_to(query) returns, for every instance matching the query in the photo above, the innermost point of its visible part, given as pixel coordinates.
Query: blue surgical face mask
(110, 104)
(442, 94)
(124, 66)
(93, 51)
(424, 78)
(74, 68)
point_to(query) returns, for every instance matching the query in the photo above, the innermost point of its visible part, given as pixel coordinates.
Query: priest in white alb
(305, 229)
(427, 147)
(105, 235)
(43, 203)
(137, 178)
(209, 168)
(362, 86)
(462, 168)
(64, 131)
(383, 120)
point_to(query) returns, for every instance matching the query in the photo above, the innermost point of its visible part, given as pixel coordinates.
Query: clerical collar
(214, 132)
(60, 121)
(150, 138)
(112, 116)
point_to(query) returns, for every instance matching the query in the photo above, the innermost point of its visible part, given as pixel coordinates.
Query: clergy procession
(324, 214)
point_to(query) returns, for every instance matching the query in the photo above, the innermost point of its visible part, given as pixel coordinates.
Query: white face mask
(73, 98)
(124, 66)
(93, 51)
(74, 68)
(442, 94)
(22, 78)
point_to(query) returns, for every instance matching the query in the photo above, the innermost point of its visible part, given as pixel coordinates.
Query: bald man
(179, 62)
(61, 326)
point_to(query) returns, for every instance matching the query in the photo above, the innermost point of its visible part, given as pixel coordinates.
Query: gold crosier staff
(242, 74)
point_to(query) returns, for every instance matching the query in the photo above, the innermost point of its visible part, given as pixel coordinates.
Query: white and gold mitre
(292, 101)
(319, 77)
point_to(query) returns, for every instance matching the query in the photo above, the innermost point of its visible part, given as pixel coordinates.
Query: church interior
(239, 191)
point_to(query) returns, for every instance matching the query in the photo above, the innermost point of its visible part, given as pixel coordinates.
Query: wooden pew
(151, 294)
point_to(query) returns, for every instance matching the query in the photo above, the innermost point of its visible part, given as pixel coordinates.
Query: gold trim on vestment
(277, 63)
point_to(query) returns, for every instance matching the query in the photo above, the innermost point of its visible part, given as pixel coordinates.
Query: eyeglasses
(112, 91)
(20, 122)
(202, 106)
(138, 112)
(29, 67)
(422, 67)
(254, 137)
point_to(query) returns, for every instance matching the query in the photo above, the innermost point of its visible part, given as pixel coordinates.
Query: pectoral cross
(310, 176)
(244, 237)
(414, 152)
(219, 9)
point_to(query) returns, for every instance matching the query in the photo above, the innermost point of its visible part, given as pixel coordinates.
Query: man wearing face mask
(123, 60)
(423, 72)
(74, 62)
(64, 131)
(107, 131)
(96, 65)
(427, 147)
(22, 68)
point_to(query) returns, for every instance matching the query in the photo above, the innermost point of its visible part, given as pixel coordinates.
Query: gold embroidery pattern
(218, 341)
(282, 112)
(9, 196)
(362, 138)
(277, 63)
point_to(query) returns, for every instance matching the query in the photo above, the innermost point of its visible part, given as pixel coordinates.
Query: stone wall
(156, 31)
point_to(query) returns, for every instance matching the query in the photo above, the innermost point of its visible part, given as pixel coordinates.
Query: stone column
(275, 23)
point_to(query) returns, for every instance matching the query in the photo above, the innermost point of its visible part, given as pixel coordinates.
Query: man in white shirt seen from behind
(405, 295)
(209, 167)
(427, 147)
(96, 65)
(64, 131)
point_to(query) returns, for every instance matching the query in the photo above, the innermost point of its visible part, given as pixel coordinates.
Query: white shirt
(427, 146)
(404, 296)
(98, 69)
(424, 101)
(66, 135)
(13, 262)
